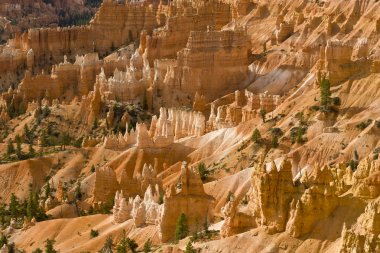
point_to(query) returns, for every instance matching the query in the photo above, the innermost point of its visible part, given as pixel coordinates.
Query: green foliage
(78, 142)
(147, 246)
(189, 248)
(145, 102)
(10, 148)
(32, 152)
(38, 250)
(65, 140)
(95, 124)
(13, 206)
(93, 168)
(202, 170)
(325, 92)
(181, 230)
(276, 132)
(364, 124)
(49, 246)
(336, 101)
(161, 198)
(45, 111)
(262, 114)
(47, 190)
(274, 141)
(18, 147)
(297, 133)
(94, 233)
(256, 136)
(78, 193)
(28, 134)
(108, 245)
(3, 240)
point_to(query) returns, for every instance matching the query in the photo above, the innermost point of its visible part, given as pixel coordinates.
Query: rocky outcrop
(187, 197)
(105, 185)
(220, 54)
(172, 124)
(364, 235)
(278, 203)
(182, 18)
(245, 106)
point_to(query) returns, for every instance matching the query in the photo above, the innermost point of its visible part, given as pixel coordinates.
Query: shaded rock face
(364, 235)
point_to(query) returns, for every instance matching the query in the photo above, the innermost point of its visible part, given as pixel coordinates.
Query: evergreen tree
(202, 171)
(32, 152)
(132, 245)
(181, 229)
(3, 240)
(45, 111)
(38, 250)
(78, 193)
(13, 206)
(28, 134)
(12, 248)
(299, 138)
(65, 140)
(2, 214)
(189, 248)
(49, 246)
(108, 245)
(147, 246)
(47, 190)
(18, 147)
(274, 141)
(325, 92)
(95, 124)
(145, 102)
(256, 136)
(31, 208)
(263, 114)
(10, 148)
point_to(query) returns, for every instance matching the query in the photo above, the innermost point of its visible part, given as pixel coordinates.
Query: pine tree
(47, 190)
(299, 138)
(65, 140)
(78, 193)
(147, 246)
(38, 250)
(10, 148)
(108, 245)
(181, 229)
(31, 208)
(274, 141)
(189, 248)
(3, 240)
(256, 136)
(13, 206)
(28, 134)
(202, 171)
(325, 92)
(18, 147)
(2, 214)
(263, 114)
(32, 152)
(49, 246)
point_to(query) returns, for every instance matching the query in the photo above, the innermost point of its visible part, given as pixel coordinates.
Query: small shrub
(364, 124)
(94, 233)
